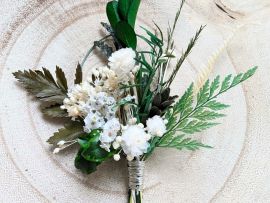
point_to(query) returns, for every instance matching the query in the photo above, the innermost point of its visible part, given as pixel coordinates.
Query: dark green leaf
(78, 75)
(123, 8)
(112, 13)
(71, 131)
(125, 33)
(83, 165)
(154, 39)
(92, 150)
(132, 13)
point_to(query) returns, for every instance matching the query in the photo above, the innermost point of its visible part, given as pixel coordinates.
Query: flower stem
(134, 196)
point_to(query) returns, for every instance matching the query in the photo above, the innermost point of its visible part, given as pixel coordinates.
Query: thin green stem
(91, 50)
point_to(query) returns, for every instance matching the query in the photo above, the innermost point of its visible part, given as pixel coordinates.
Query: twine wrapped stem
(136, 175)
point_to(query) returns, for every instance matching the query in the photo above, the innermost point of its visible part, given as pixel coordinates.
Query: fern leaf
(203, 94)
(214, 86)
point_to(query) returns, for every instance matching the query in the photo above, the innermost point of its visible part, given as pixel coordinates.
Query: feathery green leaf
(180, 142)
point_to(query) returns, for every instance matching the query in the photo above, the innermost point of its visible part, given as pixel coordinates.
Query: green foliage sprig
(187, 118)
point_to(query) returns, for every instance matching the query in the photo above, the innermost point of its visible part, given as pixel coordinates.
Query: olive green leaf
(78, 75)
(42, 84)
(125, 33)
(61, 79)
(54, 111)
(112, 13)
(70, 131)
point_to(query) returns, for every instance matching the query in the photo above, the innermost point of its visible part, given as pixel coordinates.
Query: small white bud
(56, 150)
(131, 75)
(141, 125)
(72, 99)
(116, 157)
(135, 69)
(61, 143)
(166, 121)
(116, 145)
(132, 121)
(130, 158)
(66, 100)
(148, 137)
(98, 88)
(159, 133)
(118, 139)
(62, 107)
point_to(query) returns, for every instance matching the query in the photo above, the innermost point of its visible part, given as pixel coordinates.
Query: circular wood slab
(59, 32)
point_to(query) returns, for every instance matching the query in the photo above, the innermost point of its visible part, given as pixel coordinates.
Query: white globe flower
(93, 121)
(134, 141)
(110, 130)
(122, 62)
(156, 126)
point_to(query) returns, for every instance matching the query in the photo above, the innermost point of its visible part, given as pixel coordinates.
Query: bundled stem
(136, 175)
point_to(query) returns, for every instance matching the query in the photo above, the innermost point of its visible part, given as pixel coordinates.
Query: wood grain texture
(45, 33)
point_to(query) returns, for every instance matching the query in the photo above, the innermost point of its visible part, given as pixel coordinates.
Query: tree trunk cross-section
(59, 32)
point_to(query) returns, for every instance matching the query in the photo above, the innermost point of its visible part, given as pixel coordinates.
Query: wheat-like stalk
(207, 69)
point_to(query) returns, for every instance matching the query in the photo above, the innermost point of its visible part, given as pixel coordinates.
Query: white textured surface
(46, 33)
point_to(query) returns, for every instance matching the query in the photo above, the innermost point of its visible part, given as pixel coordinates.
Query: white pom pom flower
(134, 141)
(122, 62)
(156, 126)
